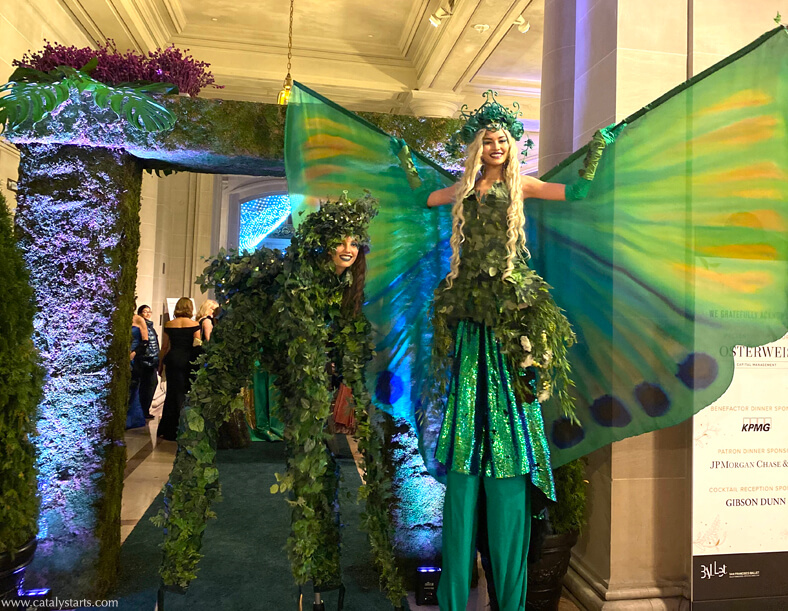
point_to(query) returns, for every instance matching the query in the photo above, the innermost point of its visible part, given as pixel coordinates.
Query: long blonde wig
(515, 216)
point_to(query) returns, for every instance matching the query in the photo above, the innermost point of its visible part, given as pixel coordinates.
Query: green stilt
(509, 531)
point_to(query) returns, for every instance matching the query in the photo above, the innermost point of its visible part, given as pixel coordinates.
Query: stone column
(602, 61)
(558, 84)
(78, 223)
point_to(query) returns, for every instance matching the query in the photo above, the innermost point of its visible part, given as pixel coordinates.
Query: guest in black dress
(175, 358)
(139, 343)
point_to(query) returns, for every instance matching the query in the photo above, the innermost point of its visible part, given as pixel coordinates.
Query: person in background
(177, 353)
(148, 363)
(205, 318)
(139, 341)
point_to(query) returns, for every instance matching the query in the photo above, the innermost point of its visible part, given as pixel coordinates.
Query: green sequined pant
(485, 430)
(508, 502)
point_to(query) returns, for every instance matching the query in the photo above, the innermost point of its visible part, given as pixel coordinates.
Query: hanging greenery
(287, 311)
(428, 135)
(32, 95)
(571, 486)
(20, 389)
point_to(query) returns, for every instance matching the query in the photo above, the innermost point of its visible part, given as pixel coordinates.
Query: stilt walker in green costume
(299, 314)
(267, 425)
(673, 230)
(499, 346)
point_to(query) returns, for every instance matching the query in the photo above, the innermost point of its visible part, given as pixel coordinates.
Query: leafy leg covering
(302, 381)
(376, 519)
(193, 486)
(287, 312)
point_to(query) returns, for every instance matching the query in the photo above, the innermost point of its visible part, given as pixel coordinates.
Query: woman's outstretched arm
(441, 197)
(533, 187)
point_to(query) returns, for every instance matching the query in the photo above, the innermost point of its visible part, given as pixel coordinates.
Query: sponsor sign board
(740, 484)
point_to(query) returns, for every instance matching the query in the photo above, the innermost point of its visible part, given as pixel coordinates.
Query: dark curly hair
(353, 298)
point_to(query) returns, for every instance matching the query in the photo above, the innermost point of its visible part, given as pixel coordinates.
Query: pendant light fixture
(284, 96)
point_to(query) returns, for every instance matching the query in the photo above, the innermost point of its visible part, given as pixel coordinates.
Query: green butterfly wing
(329, 150)
(679, 253)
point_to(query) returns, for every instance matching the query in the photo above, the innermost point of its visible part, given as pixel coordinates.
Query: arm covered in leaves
(231, 272)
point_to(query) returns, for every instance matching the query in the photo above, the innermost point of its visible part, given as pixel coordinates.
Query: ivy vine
(21, 377)
(285, 310)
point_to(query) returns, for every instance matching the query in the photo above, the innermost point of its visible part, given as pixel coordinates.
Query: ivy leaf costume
(286, 311)
(677, 254)
(479, 321)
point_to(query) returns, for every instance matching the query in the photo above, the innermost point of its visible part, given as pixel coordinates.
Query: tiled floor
(148, 465)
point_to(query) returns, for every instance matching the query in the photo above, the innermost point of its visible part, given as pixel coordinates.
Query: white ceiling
(352, 23)
(362, 54)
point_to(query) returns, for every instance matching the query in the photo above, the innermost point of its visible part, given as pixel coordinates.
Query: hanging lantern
(284, 95)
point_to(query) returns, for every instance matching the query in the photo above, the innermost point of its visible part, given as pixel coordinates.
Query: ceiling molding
(58, 24)
(249, 89)
(303, 46)
(156, 18)
(100, 21)
(492, 42)
(416, 17)
(431, 103)
(435, 47)
(142, 25)
(448, 57)
(357, 73)
(508, 87)
(176, 14)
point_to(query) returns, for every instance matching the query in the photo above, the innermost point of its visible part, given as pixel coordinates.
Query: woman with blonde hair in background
(205, 318)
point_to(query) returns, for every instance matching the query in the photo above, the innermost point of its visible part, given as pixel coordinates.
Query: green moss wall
(77, 220)
(213, 136)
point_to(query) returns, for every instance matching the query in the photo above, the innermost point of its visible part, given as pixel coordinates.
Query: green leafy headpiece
(490, 116)
(324, 229)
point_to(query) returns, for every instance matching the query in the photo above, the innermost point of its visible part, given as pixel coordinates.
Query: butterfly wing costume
(678, 253)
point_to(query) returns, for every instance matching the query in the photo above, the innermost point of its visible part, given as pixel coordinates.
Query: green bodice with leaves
(496, 332)
(479, 292)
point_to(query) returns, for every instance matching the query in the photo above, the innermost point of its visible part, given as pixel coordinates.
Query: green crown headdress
(490, 116)
(325, 228)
